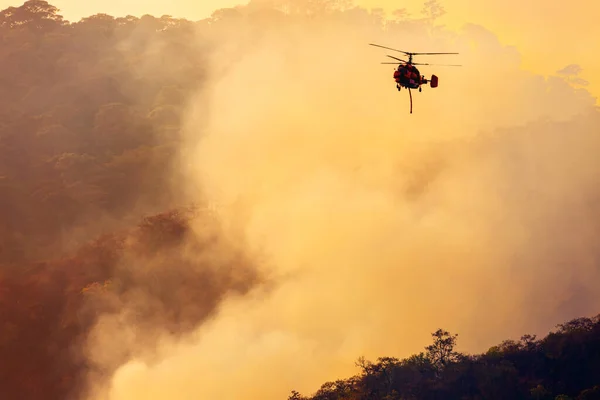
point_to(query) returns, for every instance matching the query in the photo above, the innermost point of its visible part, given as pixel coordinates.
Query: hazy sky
(548, 35)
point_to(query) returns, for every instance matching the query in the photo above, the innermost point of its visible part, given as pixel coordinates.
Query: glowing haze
(549, 35)
(478, 213)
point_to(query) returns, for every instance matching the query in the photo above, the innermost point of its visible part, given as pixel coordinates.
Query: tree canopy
(563, 365)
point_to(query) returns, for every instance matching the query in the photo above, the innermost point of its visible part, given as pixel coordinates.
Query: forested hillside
(95, 218)
(563, 365)
(89, 134)
(90, 121)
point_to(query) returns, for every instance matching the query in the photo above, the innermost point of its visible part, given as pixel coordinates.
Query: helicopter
(409, 76)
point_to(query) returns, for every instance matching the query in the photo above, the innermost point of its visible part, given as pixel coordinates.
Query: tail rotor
(433, 82)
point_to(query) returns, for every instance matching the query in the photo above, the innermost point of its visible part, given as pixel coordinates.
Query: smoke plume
(477, 213)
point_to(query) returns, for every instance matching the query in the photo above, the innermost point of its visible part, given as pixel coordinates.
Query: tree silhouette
(511, 370)
(441, 351)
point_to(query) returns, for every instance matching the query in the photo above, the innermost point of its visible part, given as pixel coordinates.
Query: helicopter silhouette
(409, 76)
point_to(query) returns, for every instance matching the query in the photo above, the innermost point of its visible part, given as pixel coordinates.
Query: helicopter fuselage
(408, 76)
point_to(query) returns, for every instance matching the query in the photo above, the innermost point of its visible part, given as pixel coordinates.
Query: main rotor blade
(406, 52)
(439, 65)
(436, 65)
(389, 48)
(429, 54)
(395, 58)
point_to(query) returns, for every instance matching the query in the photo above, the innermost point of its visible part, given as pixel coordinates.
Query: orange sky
(548, 35)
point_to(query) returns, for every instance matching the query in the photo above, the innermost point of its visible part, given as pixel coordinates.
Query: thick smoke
(478, 213)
